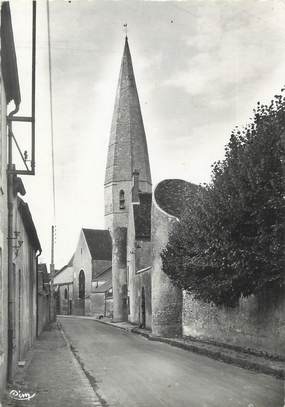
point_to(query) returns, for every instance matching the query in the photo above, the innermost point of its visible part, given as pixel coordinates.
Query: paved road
(128, 370)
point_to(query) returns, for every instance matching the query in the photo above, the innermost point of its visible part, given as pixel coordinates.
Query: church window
(122, 199)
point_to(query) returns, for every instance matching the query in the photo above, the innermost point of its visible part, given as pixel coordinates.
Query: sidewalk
(247, 360)
(53, 374)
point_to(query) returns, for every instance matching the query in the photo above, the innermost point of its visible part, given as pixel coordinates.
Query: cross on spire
(126, 29)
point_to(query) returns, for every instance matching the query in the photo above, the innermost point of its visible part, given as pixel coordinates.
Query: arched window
(65, 294)
(122, 199)
(81, 284)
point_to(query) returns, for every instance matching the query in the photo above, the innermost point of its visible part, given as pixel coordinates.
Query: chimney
(135, 189)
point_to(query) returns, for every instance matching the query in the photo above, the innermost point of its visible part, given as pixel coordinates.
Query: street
(127, 370)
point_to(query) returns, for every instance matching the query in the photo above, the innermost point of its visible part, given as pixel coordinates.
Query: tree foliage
(230, 239)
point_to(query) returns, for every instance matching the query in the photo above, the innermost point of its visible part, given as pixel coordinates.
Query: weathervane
(126, 29)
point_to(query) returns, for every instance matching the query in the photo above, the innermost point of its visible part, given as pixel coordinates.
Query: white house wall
(3, 240)
(82, 261)
(65, 276)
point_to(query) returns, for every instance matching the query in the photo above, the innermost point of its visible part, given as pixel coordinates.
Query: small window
(122, 199)
(65, 294)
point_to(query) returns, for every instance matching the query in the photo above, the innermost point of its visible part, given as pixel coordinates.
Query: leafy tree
(230, 239)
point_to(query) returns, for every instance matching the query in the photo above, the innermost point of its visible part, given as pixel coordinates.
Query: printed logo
(19, 395)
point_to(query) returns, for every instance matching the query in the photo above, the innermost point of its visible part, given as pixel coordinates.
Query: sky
(200, 66)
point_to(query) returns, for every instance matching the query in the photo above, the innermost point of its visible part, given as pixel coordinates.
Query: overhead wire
(51, 120)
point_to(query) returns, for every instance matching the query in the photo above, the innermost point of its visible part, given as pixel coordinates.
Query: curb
(239, 359)
(99, 402)
(218, 355)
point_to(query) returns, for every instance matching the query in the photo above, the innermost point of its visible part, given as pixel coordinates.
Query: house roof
(99, 243)
(171, 195)
(142, 216)
(100, 272)
(69, 264)
(28, 222)
(106, 276)
(8, 56)
(103, 288)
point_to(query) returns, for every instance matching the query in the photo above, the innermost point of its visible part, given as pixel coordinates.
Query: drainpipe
(11, 276)
(37, 291)
(11, 171)
(52, 305)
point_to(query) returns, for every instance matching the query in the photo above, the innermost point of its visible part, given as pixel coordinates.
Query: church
(139, 219)
(117, 272)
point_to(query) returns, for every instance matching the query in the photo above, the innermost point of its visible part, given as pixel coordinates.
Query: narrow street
(127, 370)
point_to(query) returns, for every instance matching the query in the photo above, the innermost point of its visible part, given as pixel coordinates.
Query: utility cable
(52, 134)
(51, 110)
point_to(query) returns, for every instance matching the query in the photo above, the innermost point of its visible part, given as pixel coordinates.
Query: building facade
(19, 243)
(139, 221)
(129, 216)
(91, 261)
(63, 288)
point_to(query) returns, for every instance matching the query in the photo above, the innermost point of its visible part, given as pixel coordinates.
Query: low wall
(97, 304)
(43, 311)
(166, 298)
(257, 323)
(78, 306)
(140, 281)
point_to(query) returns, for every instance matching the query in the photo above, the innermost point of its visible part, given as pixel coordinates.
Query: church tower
(127, 152)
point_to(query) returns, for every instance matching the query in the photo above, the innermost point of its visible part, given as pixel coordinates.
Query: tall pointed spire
(127, 147)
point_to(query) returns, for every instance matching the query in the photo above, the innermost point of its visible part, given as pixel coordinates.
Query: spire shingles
(127, 147)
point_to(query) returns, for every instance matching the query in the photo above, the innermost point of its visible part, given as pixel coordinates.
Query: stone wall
(139, 254)
(114, 216)
(141, 281)
(97, 304)
(119, 274)
(166, 298)
(65, 294)
(109, 307)
(257, 323)
(25, 283)
(3, 241)
(43, 306)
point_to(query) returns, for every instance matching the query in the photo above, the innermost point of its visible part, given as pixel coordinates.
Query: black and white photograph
(142, 203)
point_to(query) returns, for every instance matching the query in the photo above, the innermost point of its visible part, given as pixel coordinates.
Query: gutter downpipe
(11, 276)
(10, 203)
(37, 291)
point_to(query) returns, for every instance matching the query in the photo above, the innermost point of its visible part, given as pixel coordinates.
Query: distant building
(91, 264)
(102, 294)
(138, 223)
(63, 288)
